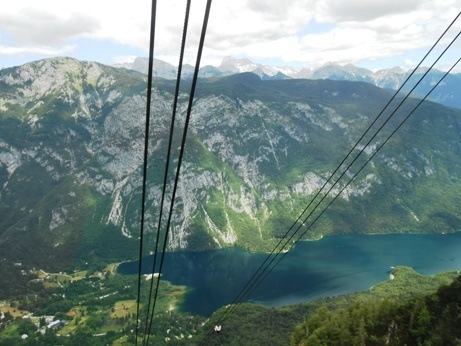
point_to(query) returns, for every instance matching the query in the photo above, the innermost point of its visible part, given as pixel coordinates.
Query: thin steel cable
(248, 287)
(146, 154)
(255, 283)
(342, 189)
(251, 289)
(340, 164)
(368, 160)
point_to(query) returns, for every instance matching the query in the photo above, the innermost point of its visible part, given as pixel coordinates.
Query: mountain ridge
(71, 139)
(391, 78)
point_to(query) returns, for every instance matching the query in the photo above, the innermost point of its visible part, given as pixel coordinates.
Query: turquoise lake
(334, 265)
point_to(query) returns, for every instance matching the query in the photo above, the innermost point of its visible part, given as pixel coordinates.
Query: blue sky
(301, 33)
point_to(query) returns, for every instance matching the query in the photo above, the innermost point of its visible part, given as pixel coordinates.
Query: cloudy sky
(302, 33)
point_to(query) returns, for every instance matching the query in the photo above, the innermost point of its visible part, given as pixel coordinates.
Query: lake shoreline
(339, 264)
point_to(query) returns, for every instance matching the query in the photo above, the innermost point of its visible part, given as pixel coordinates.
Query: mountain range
(71, 159)
(393, 78)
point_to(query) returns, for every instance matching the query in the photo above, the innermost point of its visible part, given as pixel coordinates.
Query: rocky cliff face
(71, 156)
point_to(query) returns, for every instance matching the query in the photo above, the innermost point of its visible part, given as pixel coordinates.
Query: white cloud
(364, 10)
(258, 21)
(54, 23)
(44, 28)
(35, 50)
(258, 29)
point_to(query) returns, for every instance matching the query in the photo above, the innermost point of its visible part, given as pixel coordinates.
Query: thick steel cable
(146, 155)
(148, 325)
(183, 142)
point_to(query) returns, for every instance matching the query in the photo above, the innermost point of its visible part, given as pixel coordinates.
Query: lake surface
(334, 265)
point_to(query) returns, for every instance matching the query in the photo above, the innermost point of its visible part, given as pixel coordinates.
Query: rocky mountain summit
(71, 156)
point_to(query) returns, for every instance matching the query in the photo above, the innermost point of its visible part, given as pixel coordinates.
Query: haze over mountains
(71, 139)
(446, 94)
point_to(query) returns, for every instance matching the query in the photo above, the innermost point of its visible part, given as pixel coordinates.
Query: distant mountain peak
(387, 78)
(231, 60)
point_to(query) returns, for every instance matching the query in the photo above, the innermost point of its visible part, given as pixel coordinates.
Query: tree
(361, 333)
(26, 327)
(42, 322)
(8, 316)
(313, 340)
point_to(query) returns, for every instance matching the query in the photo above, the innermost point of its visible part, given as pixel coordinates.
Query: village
(97, 301)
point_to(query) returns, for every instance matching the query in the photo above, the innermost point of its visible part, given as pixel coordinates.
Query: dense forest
(434, 319)
(253, 324)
